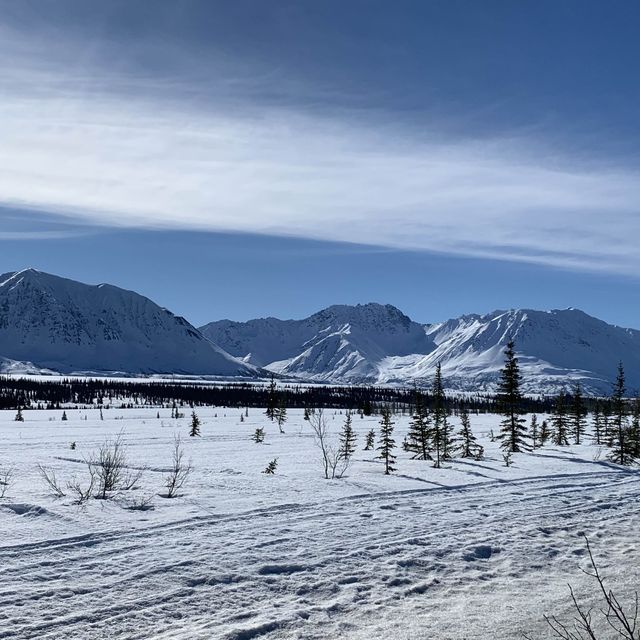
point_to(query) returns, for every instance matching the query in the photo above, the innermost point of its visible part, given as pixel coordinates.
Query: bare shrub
(83, 493)
(49, 478)
(333, 462)
(180, 470)
(6, 479)
(110, 464)
(618, 622)
(141, 503)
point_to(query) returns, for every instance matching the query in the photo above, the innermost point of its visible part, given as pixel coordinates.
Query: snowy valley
(472, 550)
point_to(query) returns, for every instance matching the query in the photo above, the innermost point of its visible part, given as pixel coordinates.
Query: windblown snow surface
(472, 550)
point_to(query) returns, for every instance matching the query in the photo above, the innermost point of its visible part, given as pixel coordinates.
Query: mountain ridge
(556, 347)
(60, 324)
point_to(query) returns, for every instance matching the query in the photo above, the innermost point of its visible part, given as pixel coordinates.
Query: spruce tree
(620, 453)
(418, 438)
(607, 427)
(370, 440)
(19, 417)
(577, 414)
(468, 445)
(271, 467)
(258, 435)
(597, 424)
(560, 421)
(195, 425)
(634, 431)
(512, 429)
(544, 433)
(441, 436)
(272, 400)
(280, 414)
(64, 416)
(387, 443)
(533, 430)
(347, 439)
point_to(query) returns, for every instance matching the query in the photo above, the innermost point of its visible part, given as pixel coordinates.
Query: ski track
(314, 570)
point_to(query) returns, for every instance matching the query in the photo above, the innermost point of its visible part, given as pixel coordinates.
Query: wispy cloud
(104, 153)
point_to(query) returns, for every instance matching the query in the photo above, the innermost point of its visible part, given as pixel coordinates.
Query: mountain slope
(342, 342)
(373, 343)
(68, 326)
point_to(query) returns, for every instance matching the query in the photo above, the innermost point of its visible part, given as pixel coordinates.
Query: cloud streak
(105, 155)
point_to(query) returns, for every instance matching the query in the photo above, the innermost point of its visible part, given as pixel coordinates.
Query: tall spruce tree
(577, 414)
(513, 432)
(441, 434)
(560, 421)
(347, 439)
(387, 443)
(620, 453)
(418, 438)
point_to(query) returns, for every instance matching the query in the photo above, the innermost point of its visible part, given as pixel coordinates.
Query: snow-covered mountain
(379, 344)
(51, 323)
(341, 343)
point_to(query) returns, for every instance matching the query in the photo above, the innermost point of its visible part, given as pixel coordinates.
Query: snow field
(473, 550)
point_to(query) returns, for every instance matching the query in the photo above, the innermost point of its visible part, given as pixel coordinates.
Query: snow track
(368, 566)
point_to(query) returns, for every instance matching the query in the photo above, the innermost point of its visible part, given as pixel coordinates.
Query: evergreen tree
(272, 400)
(307, 415)
(577, 414)
(468, 445)
(620, 453)
(347, 439)
(370, 441)
(280, 414)
(195, 425)
(418, 438)
(607, 428)
(560, 421)
(533, 430)
(634, 431)
(387, 443)
(597, 424)
(258, 435)
(544, 433)
(19, 417)
(512, 428)
(441, 436)
(271, 467)
(64, 415)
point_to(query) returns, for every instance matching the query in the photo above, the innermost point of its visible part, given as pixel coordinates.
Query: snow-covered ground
(472, 550)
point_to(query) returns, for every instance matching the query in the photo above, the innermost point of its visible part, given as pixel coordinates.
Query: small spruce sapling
(347, 439)
(195, 425)
(271, 467)
(258, 435)
(370, 440)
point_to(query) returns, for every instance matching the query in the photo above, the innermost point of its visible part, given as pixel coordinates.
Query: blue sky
(241, 159)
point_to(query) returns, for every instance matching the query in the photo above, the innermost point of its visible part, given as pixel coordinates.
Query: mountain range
(52, 324)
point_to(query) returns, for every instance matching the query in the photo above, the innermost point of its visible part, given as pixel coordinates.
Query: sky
(238, 159)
